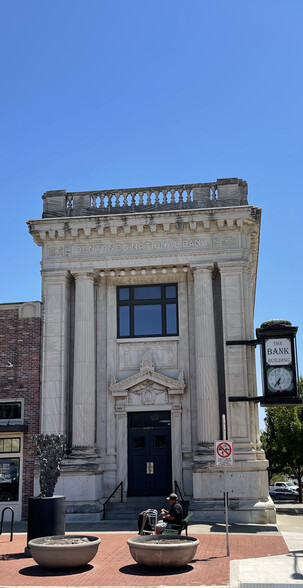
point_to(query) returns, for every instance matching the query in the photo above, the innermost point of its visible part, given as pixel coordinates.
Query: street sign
(224, 453)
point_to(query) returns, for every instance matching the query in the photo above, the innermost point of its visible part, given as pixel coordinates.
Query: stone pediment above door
(147, 387)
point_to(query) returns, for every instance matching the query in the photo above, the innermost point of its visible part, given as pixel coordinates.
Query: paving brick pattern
(114, 566)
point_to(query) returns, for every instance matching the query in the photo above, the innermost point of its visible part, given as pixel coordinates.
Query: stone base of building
(239, 511)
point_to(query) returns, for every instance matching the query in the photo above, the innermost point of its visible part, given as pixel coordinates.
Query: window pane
(170, 291)
(124, 329)
(147, 292)
(7, 445)
(15, 445)
(9, 479)
(123, 293)
(148, 320)
(10, 410)
(171, 319)
(139, 442)
(159, 441)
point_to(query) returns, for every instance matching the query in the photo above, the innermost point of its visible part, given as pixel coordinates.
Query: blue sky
(101, 94)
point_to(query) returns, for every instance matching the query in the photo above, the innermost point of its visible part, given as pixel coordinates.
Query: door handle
(149, 467)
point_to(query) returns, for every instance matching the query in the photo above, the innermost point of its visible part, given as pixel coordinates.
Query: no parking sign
(224, 453)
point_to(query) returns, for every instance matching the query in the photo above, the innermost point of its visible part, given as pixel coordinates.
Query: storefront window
(9, 478)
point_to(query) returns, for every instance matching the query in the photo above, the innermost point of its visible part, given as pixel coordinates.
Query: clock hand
(278, 382)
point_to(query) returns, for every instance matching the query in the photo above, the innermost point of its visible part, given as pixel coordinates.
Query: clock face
(279, 379)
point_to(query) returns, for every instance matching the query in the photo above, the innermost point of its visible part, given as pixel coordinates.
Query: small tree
(283, 440)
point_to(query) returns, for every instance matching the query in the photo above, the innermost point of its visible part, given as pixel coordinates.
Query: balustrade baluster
(69, 203)
(93, 201)
(140, 203)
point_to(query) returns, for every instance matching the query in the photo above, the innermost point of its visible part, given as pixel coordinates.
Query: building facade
(141, 290)
(20, 337)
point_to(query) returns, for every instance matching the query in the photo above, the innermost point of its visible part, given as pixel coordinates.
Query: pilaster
(84, 400)
(55, 351)
(237, 325)
(206, 364)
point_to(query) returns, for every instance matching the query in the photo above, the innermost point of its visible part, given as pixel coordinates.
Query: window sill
(149, 339)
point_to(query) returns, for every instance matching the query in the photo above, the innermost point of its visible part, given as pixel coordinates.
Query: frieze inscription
(133, 247)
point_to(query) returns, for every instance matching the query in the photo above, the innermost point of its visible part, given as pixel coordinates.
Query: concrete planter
(64, 551)
(167, 551)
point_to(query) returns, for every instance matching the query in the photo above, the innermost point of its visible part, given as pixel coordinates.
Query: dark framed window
(10, 410)
(147, 311)
(9, 478)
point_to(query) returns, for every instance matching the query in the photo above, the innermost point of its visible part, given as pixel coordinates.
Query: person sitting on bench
(174, 515)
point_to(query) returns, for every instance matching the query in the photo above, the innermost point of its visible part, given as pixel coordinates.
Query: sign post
(224, 456)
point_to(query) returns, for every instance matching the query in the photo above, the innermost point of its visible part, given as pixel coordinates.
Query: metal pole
(225, 491)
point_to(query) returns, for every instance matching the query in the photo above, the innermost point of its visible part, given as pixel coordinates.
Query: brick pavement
(114, 566)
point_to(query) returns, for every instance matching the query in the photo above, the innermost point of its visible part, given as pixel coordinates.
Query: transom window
(147, 311)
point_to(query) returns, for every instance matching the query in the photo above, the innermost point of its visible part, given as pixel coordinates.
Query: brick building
(20, 339)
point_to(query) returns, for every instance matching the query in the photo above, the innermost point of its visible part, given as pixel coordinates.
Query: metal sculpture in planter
(51, 450)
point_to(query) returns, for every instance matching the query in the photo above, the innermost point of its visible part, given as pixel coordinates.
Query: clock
(280, 379)
(279, 362)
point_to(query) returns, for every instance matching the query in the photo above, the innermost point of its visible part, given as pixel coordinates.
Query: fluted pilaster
(206, 364)
(84, 402)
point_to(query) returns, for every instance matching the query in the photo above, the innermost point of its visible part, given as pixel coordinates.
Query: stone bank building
(141, 289)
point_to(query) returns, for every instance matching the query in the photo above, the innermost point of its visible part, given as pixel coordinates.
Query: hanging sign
(279, 361)
(224, 453)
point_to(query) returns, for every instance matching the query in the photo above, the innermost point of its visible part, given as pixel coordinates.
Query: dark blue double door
(149, 454)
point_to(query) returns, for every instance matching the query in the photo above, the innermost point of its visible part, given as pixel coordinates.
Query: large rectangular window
(147, 311)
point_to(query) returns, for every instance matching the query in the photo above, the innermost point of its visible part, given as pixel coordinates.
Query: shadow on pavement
(8, 556)
(39, 571)
(137, 570)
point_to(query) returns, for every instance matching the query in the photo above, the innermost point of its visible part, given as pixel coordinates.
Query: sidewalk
(256, 553)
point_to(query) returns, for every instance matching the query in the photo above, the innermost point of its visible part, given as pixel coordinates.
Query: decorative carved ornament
(147, 384)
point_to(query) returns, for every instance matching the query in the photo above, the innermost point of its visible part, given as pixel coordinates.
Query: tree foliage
(283, 440)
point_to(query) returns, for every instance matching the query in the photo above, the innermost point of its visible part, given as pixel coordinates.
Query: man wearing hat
(173, 515)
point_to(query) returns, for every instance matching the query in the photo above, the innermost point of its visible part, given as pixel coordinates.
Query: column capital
(234, 266)
(85, 275)
(205, 269)
(56, 275)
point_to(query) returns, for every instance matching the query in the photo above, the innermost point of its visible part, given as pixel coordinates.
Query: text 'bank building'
(141, 289)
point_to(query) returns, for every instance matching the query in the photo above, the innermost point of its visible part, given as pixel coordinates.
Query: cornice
(137, 224)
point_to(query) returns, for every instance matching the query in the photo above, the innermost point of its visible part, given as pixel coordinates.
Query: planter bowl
(166, 551)
(64, 551)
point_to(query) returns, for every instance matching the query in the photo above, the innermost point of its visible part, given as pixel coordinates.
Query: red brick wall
(20, 342)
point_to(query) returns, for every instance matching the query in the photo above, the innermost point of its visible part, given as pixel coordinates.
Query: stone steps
(131, 509)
